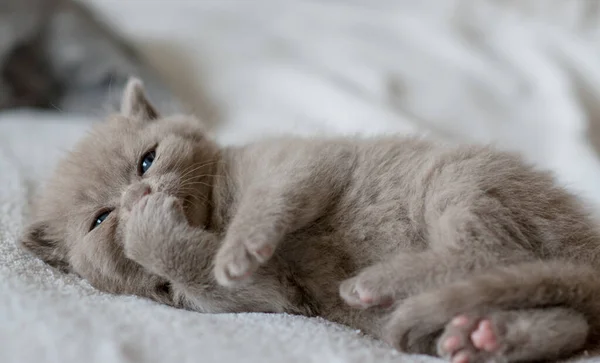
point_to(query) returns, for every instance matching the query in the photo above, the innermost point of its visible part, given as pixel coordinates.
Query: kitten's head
(78, 221)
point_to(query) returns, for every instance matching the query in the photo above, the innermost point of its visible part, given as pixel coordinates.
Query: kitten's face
(80, 219)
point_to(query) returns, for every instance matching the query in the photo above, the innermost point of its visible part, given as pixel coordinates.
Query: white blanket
(523, 74)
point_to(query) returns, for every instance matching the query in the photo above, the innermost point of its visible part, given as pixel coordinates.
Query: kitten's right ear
(39, 241)
(135, 104)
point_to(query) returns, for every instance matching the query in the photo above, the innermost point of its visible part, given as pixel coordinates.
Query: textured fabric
(523, 74)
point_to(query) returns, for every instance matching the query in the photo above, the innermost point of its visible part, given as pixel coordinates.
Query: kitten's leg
(159, 238)
(416, 322)
(408, 273)
(461, 240)
(264, 217)
(284, 194)
(513, 336)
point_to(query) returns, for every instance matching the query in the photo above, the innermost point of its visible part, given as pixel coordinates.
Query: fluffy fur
(464, 252)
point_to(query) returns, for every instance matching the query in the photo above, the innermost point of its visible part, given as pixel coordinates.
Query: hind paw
(468, 339)
(366, 290)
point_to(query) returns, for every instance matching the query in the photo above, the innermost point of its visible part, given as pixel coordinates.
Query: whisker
(194, 167)
(201, 200)
(198, 165)
(195, 183)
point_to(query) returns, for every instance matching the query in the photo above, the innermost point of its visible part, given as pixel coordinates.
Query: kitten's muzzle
(133, 194)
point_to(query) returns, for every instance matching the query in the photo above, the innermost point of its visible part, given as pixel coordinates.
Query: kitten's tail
(522, 286)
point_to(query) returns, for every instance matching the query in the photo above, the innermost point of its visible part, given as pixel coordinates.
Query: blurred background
(523, 75)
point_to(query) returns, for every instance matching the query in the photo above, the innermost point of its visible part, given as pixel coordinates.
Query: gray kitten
(56, 54)
(462, 252)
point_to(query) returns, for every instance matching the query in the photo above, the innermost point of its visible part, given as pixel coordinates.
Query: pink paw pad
(468, 339)
(452, 344)
(484, 337)
(265, 252)
(368, 299)
(460, 320)
(462, 357)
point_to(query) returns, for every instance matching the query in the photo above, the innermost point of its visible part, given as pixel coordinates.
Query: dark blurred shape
(29, 79)
(56, 54)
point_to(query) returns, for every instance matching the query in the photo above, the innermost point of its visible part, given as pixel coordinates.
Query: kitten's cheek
(124, 217)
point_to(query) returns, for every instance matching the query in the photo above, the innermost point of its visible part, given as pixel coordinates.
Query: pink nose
(133, 194)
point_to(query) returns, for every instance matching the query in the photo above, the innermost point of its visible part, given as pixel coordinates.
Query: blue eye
(147, 161)
(99, 219)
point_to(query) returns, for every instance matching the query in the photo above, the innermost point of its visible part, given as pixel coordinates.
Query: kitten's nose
(133, 194)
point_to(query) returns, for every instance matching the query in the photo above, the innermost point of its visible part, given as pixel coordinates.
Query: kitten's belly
(343, 251)
(376, 232)
(322, 258)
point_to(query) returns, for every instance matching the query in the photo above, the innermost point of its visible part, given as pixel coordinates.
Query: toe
(451, 344)
(349, 294)
(484, 337)
(460, 321)
(358, 296)
(490, 338)
(354, 296)
(461, 357)
(264, 253)
(457, 337)
(233, 265)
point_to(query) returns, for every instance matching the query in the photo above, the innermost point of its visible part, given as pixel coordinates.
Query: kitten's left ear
(40, 241)
(135, 104)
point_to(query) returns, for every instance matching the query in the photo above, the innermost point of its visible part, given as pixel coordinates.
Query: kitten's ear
(135, 104)
(39, 241)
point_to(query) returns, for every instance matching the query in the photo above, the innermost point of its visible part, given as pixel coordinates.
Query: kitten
(462, 252)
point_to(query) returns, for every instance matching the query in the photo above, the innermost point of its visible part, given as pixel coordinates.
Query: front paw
(241, 255)
(153, 222)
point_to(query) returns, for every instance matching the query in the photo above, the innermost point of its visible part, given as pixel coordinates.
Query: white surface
(524, 74)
